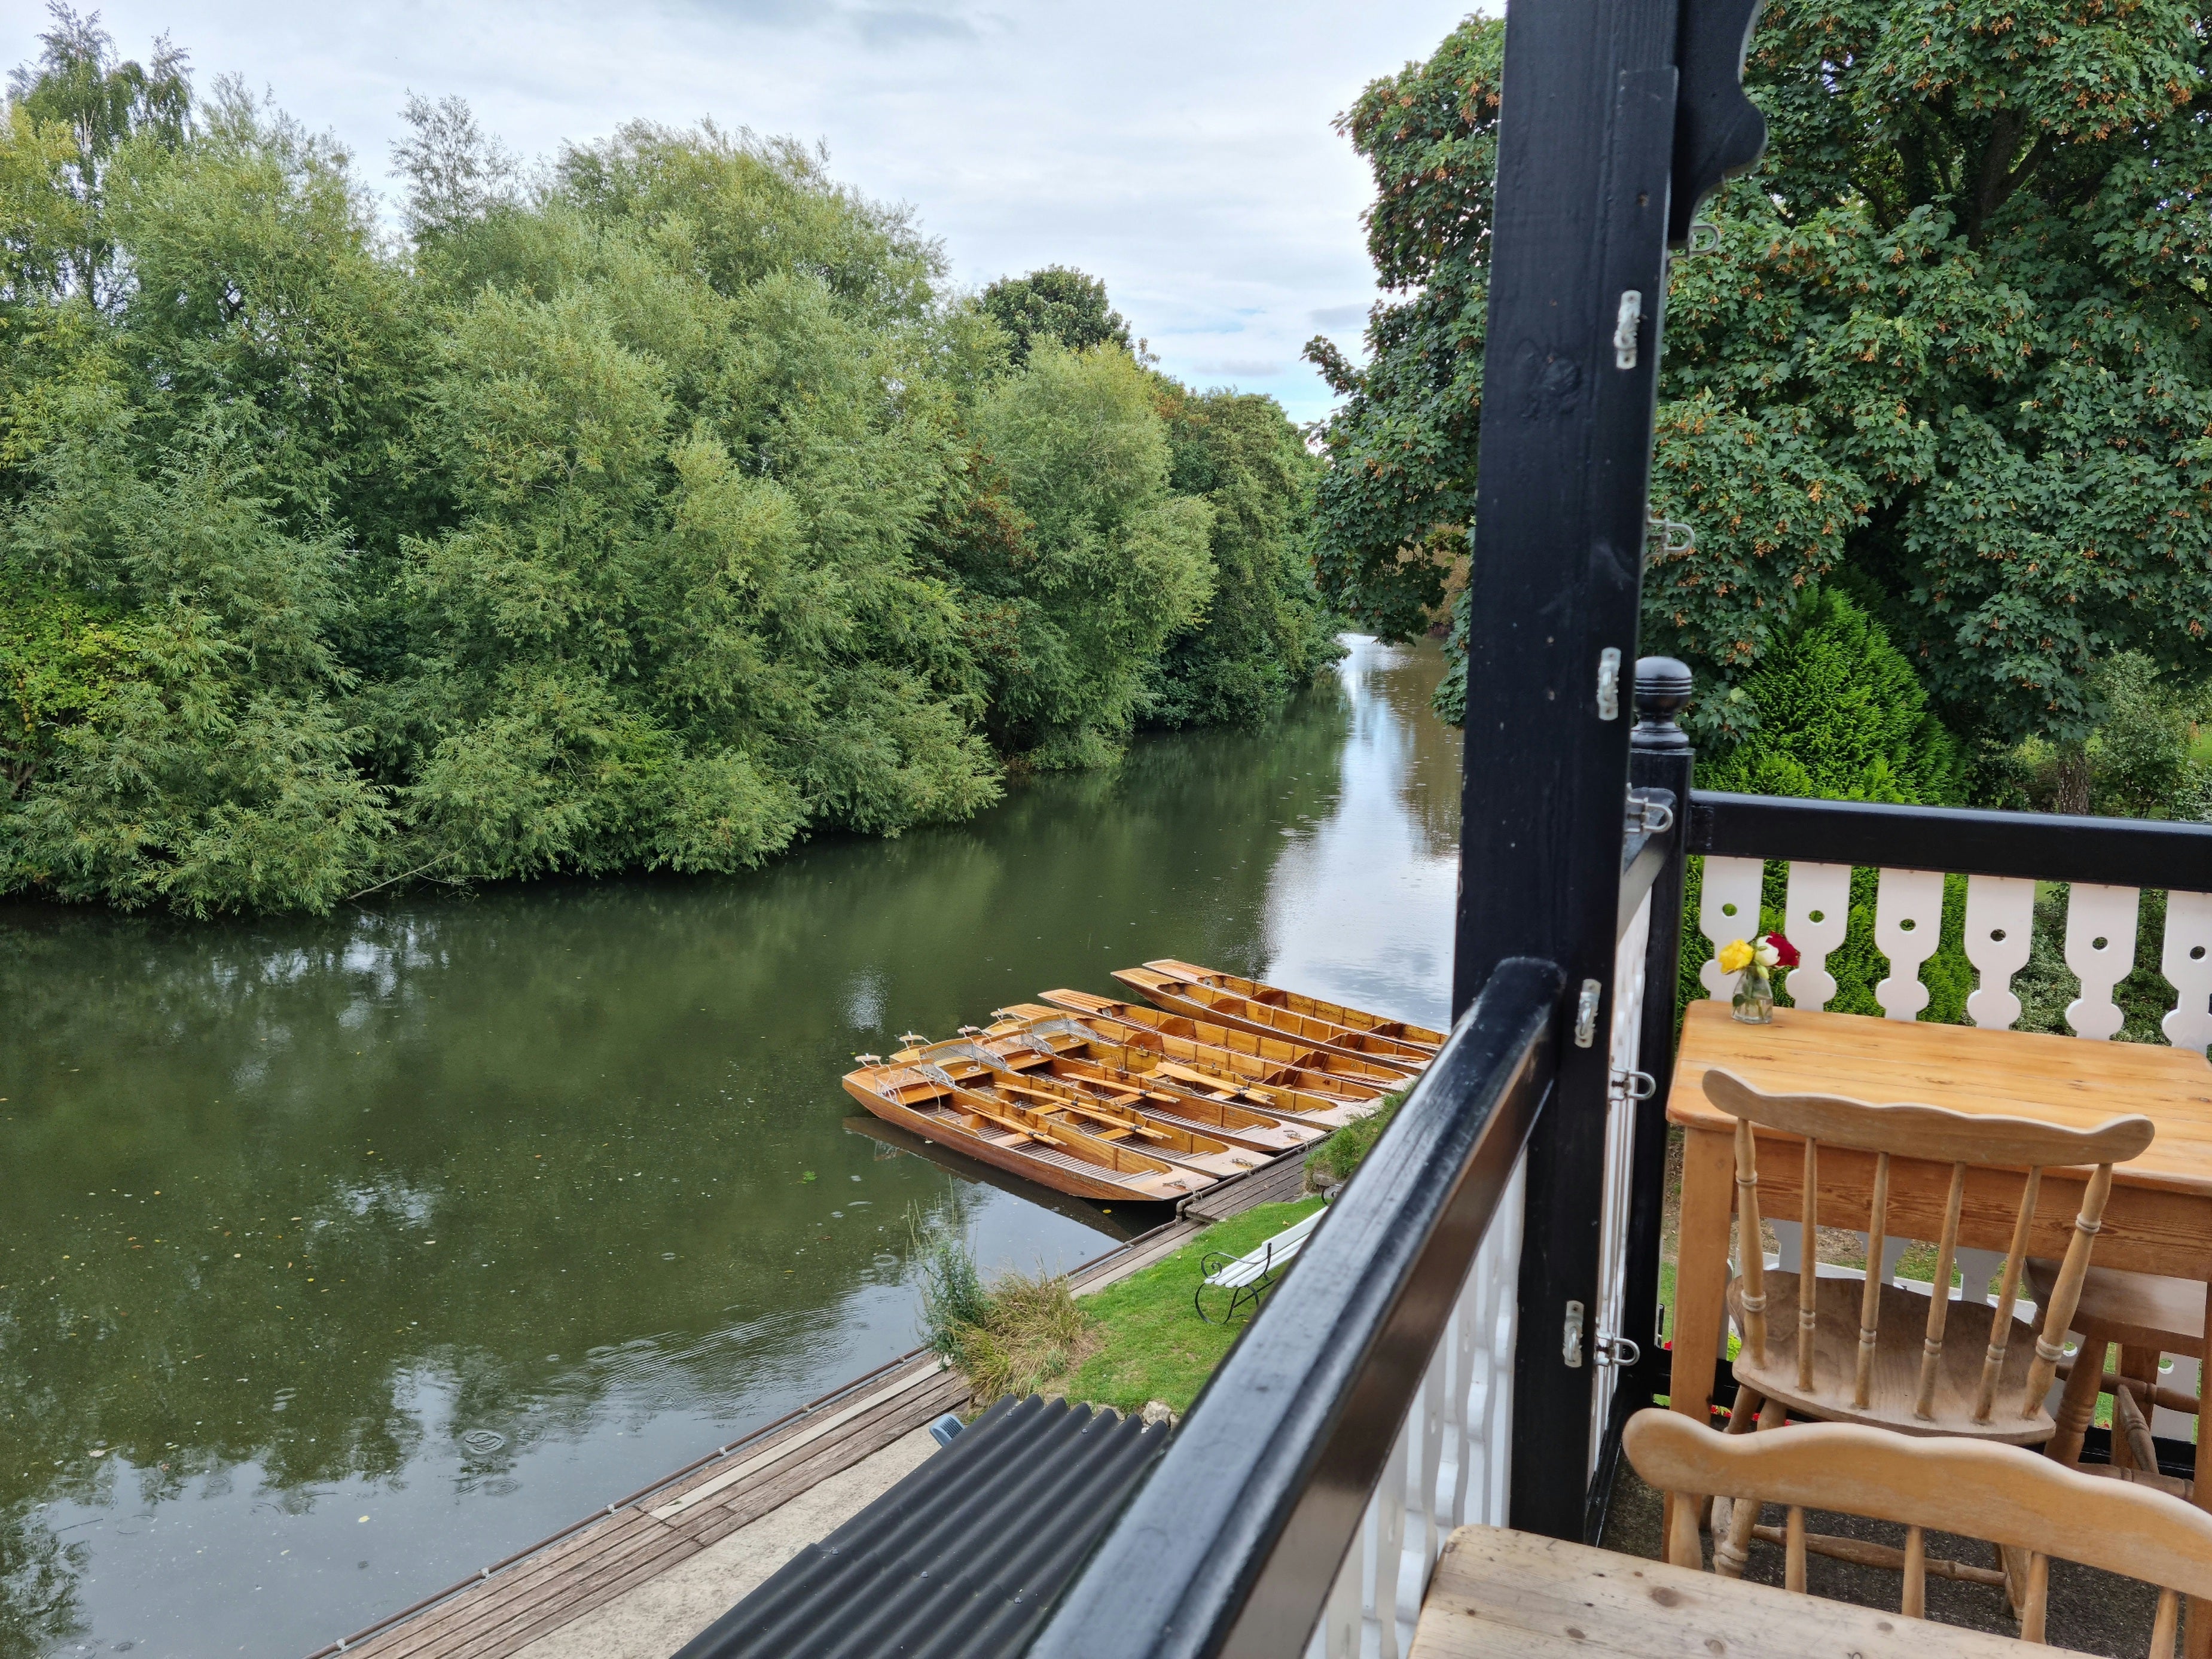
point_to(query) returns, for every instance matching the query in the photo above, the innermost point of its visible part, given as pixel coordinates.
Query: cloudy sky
(1180, 150)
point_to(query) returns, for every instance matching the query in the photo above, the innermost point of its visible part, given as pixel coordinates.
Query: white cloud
(1182, 152)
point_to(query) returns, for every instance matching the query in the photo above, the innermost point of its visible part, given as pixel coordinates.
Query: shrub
(1333, 1160)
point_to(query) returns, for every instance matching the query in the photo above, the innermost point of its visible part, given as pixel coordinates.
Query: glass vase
(1755, 995)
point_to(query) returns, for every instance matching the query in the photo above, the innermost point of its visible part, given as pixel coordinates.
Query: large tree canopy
(651, 515)
(1954, 339)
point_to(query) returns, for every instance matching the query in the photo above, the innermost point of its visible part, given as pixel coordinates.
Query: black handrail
(1232, 1546)
(2040, 846)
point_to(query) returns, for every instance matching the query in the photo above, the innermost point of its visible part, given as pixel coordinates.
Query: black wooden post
(1659, 757)
(1577, 282)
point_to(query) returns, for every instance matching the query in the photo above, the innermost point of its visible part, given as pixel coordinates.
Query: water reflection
(345, 1257)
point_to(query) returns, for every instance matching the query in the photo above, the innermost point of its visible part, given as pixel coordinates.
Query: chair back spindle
(1939, 1304)
(1870, 1294)
(1808, 1264)
(1753, 1246)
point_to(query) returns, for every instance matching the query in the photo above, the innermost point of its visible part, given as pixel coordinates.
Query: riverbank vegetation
(1137, 1340)
(1937, 404)
(649, 509)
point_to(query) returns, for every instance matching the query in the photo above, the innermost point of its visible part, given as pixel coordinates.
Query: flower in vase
(1785, 954)
(1735, 956)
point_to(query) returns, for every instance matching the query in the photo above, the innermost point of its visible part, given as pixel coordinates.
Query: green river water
(341, 1257)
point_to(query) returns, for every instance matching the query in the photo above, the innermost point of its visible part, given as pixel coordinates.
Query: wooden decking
(647, 1535)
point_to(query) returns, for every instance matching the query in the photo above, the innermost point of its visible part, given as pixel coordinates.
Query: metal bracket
(1705, 238)
(1608, 683)
(1625, 326)
(1636, 1085)
(1647, 817)
(1622, 1350)
(1570, 1343)
(1586, 1014)
(1675, 537)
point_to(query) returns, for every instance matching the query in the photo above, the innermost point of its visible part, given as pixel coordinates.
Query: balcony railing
(1369, 1408)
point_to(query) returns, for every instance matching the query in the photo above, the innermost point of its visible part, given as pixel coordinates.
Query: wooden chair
(2149, 1316)
(1978, 1489)
(1864, 1352)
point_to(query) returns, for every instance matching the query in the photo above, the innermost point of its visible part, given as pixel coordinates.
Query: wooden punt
(1227, 1000)
(1079, 1065)
(1284, 1092)
(1064, 1159)
(1389, 1071)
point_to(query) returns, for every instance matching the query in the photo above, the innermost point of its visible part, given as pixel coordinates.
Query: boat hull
(1221, 1007)
(1385, 1071)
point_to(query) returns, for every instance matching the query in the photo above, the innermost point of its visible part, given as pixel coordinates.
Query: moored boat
(1225, 1000)
(1140, 1019)
(1287, 1092)
(1055, 1155)
(1092, 1068)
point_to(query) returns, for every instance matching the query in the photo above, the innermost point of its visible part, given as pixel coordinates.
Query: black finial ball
(1663, 686)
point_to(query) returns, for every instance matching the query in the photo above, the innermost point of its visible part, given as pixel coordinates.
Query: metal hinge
(1570, 1345)
(1624, 328)
(1586, 1014)
(1608, 683)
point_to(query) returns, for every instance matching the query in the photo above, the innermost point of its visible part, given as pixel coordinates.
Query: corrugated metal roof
(964, 1557)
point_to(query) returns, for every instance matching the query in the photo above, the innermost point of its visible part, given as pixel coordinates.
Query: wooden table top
(2060, 1079)
(1499, 1592)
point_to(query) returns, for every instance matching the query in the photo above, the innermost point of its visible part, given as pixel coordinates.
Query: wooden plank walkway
(637, 1539)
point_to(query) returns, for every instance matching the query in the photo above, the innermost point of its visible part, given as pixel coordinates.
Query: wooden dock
(542, 1590)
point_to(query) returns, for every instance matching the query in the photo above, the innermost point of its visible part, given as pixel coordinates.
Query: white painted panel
(1728, 909)
(1611, 1318)
(1814, 918)
(2000, 926)
(2100, 948)
(1908, 924)
(2187, 962)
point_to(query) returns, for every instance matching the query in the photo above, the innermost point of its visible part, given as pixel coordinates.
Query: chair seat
(1895, 1383)
(2137, 1310)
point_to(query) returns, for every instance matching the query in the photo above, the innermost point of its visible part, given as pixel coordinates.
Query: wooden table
(1497, 1591)
(2159, 1219)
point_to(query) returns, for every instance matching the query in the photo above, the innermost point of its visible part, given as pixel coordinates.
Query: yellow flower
(1735, 956)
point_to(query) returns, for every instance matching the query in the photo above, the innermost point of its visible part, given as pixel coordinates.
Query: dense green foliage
(1057, 304)
(1954, 342)
(650, 516)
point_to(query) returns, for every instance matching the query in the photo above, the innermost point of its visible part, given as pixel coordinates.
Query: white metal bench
(1249, 1277)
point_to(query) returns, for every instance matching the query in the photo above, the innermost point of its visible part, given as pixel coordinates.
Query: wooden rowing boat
(1028, 1144)
(1287, 1092)
(1225, 1000)
(1224, 1107)
(1139, 1019)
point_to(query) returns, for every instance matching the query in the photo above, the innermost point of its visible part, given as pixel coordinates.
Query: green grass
(1153, 1343)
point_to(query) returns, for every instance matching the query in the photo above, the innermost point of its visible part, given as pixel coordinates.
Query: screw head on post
(1663, 686)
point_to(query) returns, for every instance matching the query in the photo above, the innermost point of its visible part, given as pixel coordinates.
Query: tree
(1058, 304)
(1952, 341)
(78, 89)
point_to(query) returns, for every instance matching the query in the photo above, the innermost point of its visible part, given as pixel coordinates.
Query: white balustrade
(1450, 1463)
(2186, 961)
(2000, 929)
(1728, 909)
(1814, 918)
(1908, 925)
(2100, 949)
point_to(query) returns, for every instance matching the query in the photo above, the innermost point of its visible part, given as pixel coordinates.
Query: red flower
(1783, 950)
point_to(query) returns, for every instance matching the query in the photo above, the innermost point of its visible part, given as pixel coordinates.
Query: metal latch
(1636, 1085)
(1624, 328)
(1705, 237)
(1615, 1350)
(1608, 683)
(1675, 537)
(1586, 1014)
(1571, 1346)
(1648, 817)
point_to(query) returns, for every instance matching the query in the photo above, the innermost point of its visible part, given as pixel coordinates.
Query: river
(344, 1257)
